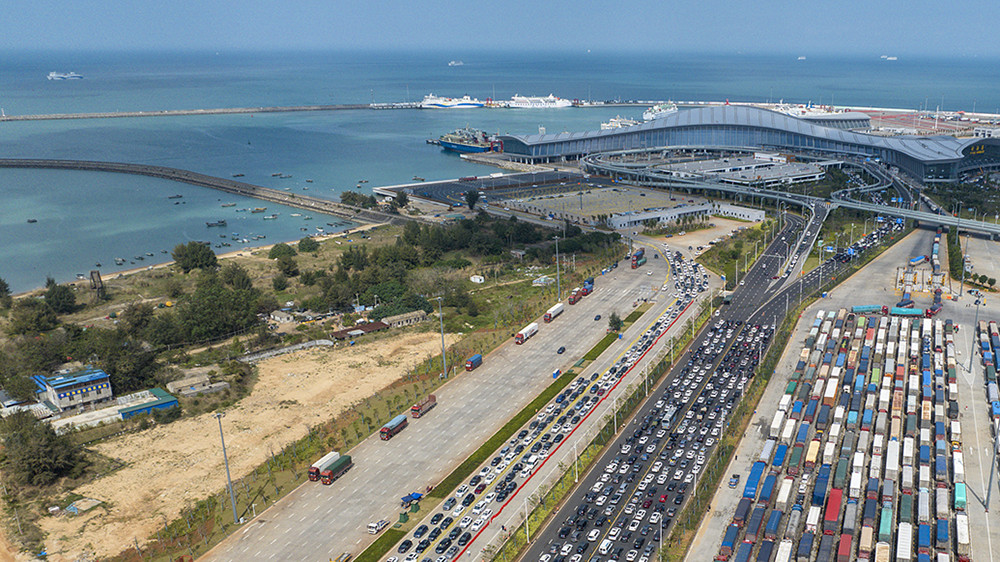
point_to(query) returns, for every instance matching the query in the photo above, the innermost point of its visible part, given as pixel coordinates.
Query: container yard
(864, 458)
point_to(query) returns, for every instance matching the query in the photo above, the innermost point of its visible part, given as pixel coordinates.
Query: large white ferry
(64, 76)
(529, 102)
(435, 102)
(660, 110)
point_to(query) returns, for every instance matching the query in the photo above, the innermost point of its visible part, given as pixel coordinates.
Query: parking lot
(582, 202)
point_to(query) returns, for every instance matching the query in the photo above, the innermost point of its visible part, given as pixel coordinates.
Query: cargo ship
(216, 223)
(469, 140)
(436, 102)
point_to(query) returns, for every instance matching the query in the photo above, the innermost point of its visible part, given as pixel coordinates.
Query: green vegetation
(738, 251)
(308, 244)
(471, 198)
(358, 200)
(615, 322)
(33, 454)
(194, 255)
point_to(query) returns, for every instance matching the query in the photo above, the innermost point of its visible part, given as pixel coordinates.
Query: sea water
(86, 218)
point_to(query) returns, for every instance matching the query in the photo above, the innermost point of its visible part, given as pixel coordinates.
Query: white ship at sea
(618, 123)
(456, 63)
(436, 102)
(64, 76)
(530, 102)
(659, 111)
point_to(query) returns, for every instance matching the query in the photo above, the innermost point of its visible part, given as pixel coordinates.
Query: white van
(606, 545)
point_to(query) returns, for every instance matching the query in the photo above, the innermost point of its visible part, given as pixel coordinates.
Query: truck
(831, 516)
(865, 542)
(526, 333)
(472, 362)
(422, 407)
(753, 480)
(392, 428)
(882, 552)
(904, 542)
(773, 522)
(376, 526)
(639, 254)
(784, 493)
(821, 484)
(732, 533)
(794, 522)
(742, 511)
(638, 263)
(812, 518)
(804, 552)
(322, 464)
(754, 524)
(870, 309)
(575, 296)
(337, 469)
(917, 260)
(962, 547)
(551, 313)
(784, 551)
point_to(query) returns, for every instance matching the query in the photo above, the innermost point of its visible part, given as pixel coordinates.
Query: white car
(654, 518)
(593, 535)
(641, 514)
(479, 507)
(614, 532)
(411, 557)
(634, 524)
(490, 478)
(486, 513)
(465, 522)
(458, 511)
(477, 524)
(489, 497)
(567, 548)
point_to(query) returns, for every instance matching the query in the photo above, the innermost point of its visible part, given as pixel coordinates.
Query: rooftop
(84, 376)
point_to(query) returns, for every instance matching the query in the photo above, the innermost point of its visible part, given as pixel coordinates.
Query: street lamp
(558, 282)
(444, 356)
(229, 480)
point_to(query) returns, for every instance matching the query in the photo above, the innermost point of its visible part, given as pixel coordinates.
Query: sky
(901, 28)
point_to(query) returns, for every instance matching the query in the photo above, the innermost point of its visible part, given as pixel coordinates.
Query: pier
(222, 184)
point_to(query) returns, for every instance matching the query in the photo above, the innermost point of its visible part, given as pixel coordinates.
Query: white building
(666, 216)
(986, 132)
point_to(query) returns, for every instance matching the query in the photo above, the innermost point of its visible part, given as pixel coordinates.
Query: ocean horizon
(86, 218)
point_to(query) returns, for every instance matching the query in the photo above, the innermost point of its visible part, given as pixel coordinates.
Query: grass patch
(381, 545)
(602, 345)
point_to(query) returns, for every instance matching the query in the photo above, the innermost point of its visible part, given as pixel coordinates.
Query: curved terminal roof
(924, 149)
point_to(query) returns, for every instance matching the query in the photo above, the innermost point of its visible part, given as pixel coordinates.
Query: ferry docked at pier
(469, 140)
(618, 123)
(436, 102)
(659, 111)
(534, 102)
(65, 76)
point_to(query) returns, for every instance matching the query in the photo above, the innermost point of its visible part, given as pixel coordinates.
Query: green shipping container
(840, 477)
(885, 525)
(906, 508)
(991, 373)
(796, 458)
(790, 389)
(960, 497)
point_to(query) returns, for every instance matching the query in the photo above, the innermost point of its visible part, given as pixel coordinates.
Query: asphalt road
(316, 522)
(745, 306)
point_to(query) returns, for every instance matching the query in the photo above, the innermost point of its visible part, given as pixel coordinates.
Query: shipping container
(960, 497)
(794, 522)
(904, 542)
(742, 511)
(885, 524)
(812, 518)
(865, 542)
(831, 515)
(754, 524)
(942, 502)
(804, 552)
(962, 543)
(906, 508)
(773, 522)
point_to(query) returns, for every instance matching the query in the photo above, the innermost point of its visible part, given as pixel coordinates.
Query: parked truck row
(863, 459)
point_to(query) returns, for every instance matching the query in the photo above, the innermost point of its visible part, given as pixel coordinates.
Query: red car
(663, 498)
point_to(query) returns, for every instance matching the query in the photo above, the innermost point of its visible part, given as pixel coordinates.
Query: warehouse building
(76, 391)
(665, 216)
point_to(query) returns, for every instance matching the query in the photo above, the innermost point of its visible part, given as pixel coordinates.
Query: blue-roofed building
(79, 390)
(929, 159)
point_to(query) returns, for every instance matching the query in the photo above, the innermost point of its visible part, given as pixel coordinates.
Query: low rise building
(75, 391)
(665, 216)
(405, 319)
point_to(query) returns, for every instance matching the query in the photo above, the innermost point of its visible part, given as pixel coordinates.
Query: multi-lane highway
(316, 521)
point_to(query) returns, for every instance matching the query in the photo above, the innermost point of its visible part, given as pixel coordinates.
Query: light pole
(444, 356)
(229, 480)
(558, 282)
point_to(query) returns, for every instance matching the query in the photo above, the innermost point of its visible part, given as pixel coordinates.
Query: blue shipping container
(753, 481)
(779, 456)
(767, 489)
(822, 481)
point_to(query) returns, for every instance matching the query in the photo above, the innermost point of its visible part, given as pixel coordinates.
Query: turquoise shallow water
(86, 218)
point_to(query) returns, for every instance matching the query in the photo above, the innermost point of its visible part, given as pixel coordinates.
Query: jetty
(314, 204)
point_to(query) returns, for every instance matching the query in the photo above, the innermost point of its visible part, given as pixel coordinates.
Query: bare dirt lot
(168, 467)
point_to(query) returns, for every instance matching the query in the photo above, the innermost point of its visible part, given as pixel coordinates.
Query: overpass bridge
(643, 174)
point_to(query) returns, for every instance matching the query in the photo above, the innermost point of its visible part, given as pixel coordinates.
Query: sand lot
(174, 465)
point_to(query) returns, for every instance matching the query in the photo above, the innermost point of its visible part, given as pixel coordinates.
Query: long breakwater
(222, 184)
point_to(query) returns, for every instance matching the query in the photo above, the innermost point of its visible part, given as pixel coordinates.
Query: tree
(280, 249)
(34, 454)
(991, 281)
(31, 316)
(60, 298)
(136, 318)
(5, 300)
(308, 244)
(402, 200)
(280, 282)
(288, 266)
(472, 197)
(234, 275)
(194, 255)
(615, 322)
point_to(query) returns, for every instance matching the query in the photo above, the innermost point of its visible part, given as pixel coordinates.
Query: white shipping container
(784, 551)
(785, 402)
(882, 552)
(884, 399)
(925, 476)
(829, 452)
(907, 451)
(892, 460)
(812, 519)
(788, 433)
(962, 534)
(863, 438)
(784, 493)
(956, 431)
(838, 415)
(878, 443)
(958, 466)
(943, 557)
(941, 503)
(858, 465)
(776, 423)
(834, 437)
(875, 469)
(855, 489)
(907, 481)
(924, 505)
(904, 542)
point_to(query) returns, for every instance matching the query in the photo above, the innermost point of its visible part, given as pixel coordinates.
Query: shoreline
(246, 252)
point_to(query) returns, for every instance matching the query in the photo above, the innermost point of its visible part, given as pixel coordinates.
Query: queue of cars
(475, 503)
